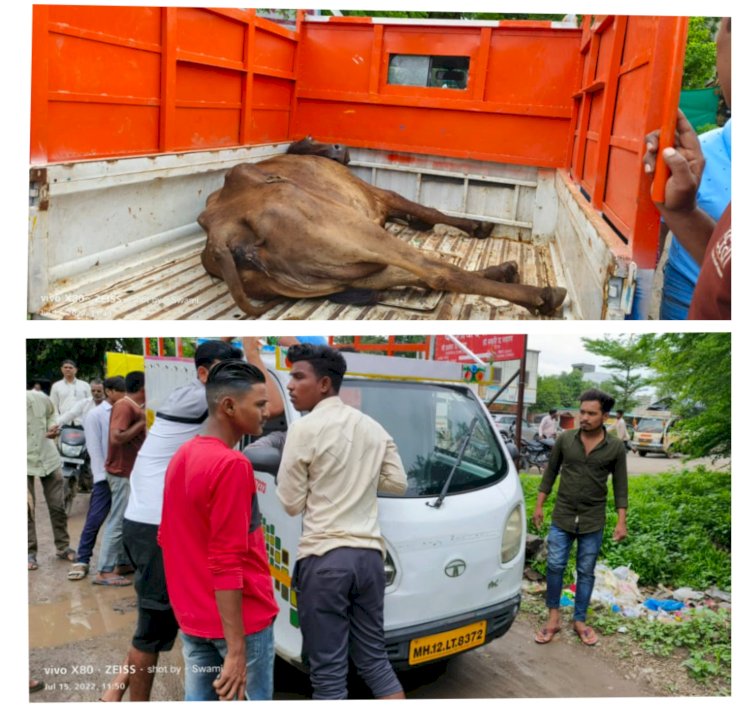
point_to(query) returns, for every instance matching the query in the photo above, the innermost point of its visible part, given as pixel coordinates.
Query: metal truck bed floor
(170, 283)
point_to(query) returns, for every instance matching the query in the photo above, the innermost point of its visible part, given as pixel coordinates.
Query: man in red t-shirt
(214, 550)
(127, 431)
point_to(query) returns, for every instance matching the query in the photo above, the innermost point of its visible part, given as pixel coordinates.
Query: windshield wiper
(439, 500)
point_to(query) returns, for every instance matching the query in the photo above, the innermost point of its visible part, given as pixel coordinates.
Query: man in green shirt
(584, 458)
(43, 462)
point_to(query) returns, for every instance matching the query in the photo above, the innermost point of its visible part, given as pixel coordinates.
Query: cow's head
(308, 146)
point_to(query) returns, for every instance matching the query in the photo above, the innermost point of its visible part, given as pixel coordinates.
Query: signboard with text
(499, 347)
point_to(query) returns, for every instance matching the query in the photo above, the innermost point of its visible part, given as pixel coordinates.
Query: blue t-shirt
(714, 194)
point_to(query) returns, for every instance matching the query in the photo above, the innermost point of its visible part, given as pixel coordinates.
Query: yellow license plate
(441, 645)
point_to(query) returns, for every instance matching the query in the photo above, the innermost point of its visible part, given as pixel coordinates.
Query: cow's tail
(225, 262)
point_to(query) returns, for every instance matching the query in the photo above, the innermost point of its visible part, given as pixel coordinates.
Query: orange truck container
(138, 112)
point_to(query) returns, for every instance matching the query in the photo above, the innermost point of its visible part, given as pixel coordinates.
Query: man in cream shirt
(335, 461)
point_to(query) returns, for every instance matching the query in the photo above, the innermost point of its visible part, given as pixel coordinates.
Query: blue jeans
(112, 552)
(559, 543)
(99, 504)
(204, 658)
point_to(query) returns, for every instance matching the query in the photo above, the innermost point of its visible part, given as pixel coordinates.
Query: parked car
(506, 425)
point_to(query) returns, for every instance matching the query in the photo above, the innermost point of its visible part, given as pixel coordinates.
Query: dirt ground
(79, 633)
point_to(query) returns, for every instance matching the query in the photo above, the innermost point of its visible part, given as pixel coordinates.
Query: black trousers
(340, 601)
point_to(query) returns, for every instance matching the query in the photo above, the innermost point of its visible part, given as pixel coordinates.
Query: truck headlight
(390, 569)
(512, 535)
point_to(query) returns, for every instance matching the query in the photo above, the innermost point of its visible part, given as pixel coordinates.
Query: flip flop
(111, 581)
(78, 571)
(545, 635)
(69, 555)
(33, 564)
(587, 636)
(35, 685)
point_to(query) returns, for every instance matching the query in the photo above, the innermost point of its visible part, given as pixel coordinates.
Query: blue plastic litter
(566, 601)
(663, 604)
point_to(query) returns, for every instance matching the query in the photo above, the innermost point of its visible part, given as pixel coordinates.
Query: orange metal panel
(204, 128)
(474, 135)
(533, 69)
(210, 34)
(130, 24)
(168, 79)
(39, 86)
(270, 92)
(335, 57)
(199, 84)
(273, 51)
(101, 130)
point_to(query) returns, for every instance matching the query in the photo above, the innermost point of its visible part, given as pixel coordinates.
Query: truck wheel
(642, 453)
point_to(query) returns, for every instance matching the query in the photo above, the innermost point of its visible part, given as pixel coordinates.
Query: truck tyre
(642, 452)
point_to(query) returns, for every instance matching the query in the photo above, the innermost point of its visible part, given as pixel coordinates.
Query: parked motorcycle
(76, 466)
(533, 454)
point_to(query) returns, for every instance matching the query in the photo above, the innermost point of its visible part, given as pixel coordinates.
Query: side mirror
(265, 459)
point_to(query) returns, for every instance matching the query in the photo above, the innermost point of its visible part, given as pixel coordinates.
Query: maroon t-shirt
(121, 457)
(712, 298)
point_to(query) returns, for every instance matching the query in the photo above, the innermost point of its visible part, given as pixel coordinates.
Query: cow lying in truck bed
(302, 225)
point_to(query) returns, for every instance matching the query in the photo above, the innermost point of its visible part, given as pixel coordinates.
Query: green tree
(700, 52)
(695, 371)
(44, 356)
(626, 356)
(560, 391)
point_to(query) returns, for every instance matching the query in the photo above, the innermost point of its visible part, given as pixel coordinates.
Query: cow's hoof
(483, 229)
(552, 300)
(505, 272)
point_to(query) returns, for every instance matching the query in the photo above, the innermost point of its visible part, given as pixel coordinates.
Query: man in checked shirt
(584, 458)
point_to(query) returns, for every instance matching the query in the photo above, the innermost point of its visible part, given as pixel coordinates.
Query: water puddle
(84, 613)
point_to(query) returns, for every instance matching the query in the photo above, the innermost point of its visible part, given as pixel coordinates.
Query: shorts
(157, 626)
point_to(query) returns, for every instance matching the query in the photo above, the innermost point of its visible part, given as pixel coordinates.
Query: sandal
(546, 634)
(33, 564)
(587, 635)
(111, 581)
(78, 571)
(69, 555)
(35, 685)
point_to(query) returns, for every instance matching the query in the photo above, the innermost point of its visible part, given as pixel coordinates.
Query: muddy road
(79, 634)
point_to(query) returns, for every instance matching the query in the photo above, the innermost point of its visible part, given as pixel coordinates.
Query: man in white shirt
(82, 407)
(548, 427)
(621, 429)
(335, 460)
(66, 393)
(96, 430)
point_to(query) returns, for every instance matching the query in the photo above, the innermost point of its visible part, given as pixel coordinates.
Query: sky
(558, 353)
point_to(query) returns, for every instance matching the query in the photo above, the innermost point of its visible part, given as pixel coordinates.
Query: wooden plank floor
(173, 285)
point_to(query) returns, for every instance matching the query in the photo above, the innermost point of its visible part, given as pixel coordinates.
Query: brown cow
(300, 225)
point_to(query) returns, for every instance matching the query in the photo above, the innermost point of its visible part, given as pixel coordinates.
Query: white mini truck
(455, 540)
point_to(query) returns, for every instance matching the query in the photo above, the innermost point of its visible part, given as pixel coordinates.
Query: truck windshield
(429, 423)
(651, 424)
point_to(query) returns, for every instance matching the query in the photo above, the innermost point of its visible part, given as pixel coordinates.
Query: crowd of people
(180, 513)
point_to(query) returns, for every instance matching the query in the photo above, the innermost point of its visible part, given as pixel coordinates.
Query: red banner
(499, 347)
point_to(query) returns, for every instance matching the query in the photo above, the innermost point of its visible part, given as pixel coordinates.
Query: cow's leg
(446, 277)
(424, 217)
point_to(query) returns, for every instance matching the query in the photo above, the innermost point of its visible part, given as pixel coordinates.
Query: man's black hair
(70, 361)
(231, 377)
(606, 401)
(325, 361)
(116, 383)
(620, 412)
(96, 381)
(215, 350)
(134, 381)
(553, 411)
